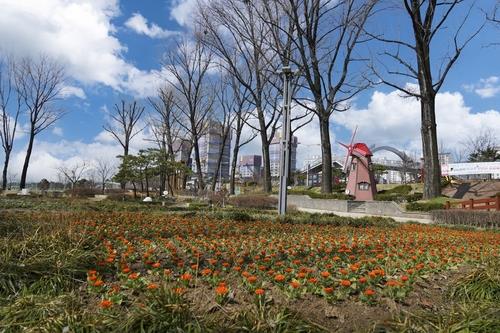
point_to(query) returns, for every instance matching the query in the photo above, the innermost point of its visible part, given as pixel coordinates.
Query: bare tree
(9, 113)
(482, 147)
(73, 173)
(188, 64)
(104, 171)
(236, 33)
(414, 60)
(123, 125)
(323, 36)
(165, 129)
(241, 114)
(39, 83)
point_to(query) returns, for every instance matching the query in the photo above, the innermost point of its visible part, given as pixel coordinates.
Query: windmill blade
(353, 135)
(347, 163)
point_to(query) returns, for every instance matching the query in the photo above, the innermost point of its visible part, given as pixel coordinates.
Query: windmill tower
(358, 168)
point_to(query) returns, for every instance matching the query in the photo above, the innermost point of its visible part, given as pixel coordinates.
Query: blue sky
(112, 50)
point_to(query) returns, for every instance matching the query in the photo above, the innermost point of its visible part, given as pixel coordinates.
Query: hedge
(476, 218)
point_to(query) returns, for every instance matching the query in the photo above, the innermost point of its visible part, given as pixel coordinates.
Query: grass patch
(473, 306)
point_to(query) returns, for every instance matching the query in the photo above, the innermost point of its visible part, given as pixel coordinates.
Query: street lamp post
(285, 139)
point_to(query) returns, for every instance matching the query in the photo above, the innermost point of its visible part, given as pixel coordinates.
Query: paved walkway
(396, 218)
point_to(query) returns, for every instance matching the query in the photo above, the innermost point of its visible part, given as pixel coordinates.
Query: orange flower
(345, 283)
(92, 272)
(301, 275)
(392, 283)
(156, 265)
(178, 290)
(186, 276)
(362, 279)
(279, 278)
(206, 271)
(369, 292)
(105, 303)
(344, 271)
(312, 280)
(325, 274)
(259, 292)
(294, 284)
(328, 290)
(133, 276)
(98, 283)
(404, 278)
(221, 290)
(126, 269)
(252, 279)
(152, 286)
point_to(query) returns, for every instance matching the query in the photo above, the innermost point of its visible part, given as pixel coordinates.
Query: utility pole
(285, 139)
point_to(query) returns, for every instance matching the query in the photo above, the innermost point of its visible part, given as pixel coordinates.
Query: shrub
(424, 206)
(234, 215)
(475, 218)
(332, 219)
(318, 195)
(254, 201)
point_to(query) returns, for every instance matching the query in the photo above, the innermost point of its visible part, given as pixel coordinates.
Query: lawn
(155, 272)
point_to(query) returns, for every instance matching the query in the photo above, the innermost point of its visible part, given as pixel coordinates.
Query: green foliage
(319, 195)
(400, 193)
(472, 305)
(332, 219)
(488, 154)
(424, 206)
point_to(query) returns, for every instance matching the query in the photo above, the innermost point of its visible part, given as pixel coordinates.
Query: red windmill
(358, 168)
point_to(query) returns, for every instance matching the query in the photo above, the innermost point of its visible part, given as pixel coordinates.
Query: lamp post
(285, 139)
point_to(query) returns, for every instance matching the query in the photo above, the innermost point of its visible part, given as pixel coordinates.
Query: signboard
(480, 168)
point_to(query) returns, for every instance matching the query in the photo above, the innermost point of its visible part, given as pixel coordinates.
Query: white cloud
(47, 156)
(486, 88)
(391, 119)
(57, 131)
(78, 33)
(182, 11)
(70, 91)
(139, 24)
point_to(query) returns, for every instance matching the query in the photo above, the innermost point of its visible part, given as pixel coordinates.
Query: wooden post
(471, 203)
(497, 202)
(448, 205)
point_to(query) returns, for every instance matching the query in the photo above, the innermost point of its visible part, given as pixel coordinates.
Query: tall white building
(210, 147)
(249, 167)
(275, 155)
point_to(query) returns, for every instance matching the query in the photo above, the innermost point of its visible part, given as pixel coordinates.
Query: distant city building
(182, 150)
(210, 146)
(445, 158)
(249, 167)
(275, 153)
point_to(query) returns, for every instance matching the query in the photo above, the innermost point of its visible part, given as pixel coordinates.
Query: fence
(478, 204)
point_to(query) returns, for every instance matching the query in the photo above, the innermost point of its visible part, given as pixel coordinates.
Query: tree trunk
(234, 162)
(197, 159)
(326, 155)
(267, 185)
(219, 159)
(432, 169)
(103, 186)
(22, 184)
(135, 190)
(5, 167)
